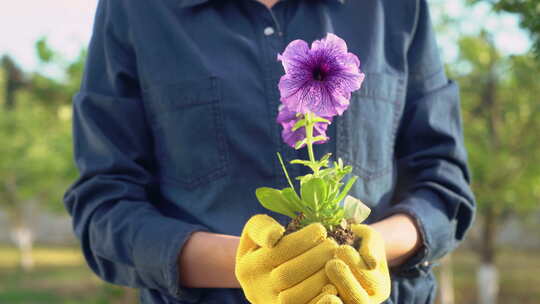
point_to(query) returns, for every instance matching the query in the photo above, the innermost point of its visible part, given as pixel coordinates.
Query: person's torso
(209, 75)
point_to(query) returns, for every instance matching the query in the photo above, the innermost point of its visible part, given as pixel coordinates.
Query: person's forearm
(401, 236)
(207, 261)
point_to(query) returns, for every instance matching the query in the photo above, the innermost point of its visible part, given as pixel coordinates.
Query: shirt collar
(188, 3)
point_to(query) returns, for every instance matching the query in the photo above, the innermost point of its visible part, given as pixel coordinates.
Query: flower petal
(349, 62)
(319, 80)
(347, 82)
(294, 55)
(284, 115)
(331, 45)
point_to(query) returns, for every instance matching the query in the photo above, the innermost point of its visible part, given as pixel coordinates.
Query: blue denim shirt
(174, 129)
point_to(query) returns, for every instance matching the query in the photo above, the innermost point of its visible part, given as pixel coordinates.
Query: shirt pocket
(366, 131)
(187, 124)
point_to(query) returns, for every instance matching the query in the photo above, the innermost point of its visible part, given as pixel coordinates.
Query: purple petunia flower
(320, 79)
(288, 119)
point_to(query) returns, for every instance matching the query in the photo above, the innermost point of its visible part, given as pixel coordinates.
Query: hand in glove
(362, 276)
(273, 269)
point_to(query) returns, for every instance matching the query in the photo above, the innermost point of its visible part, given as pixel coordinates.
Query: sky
(67, 24)
(509, 38)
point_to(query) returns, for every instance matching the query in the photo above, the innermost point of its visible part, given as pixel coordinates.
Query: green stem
(285, 170)
(309, 135)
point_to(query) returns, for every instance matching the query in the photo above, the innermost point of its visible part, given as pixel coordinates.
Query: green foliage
(320, 195)
(527, 10)
(321, 192)
(50, 91)
(308, 121)
(275, 200)
(35, 155)
(44, 52)
(36, 162)
(502, 122)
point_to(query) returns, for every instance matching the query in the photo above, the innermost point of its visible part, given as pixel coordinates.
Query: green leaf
(339, 215)
(346, 189)
(326, 173)
(355, 209)
(274, 200)
(314, 192)
(313, 165)
(347, 169)
(45, 53)
(320, 119)
(299, 124)
(325, 159)
(307, 163)
(285, 170)
(293, 199)
(304, 178)
(319, 138)
(300, 143)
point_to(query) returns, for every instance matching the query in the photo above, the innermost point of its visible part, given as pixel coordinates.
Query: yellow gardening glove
(273, 269)
(327, 296)
(362, 276)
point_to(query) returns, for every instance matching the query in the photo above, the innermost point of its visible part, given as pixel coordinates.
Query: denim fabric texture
(175, 127)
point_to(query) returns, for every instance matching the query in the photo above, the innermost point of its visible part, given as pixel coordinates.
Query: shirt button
(269, 31)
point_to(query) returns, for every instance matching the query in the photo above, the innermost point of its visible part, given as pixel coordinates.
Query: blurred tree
(55, 92)
(36, 163)
(502, 121)
(529, 12)
(13, 81)
(22, 236)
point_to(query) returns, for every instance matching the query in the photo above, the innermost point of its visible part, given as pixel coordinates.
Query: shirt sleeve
(433, 178)
(124, 237)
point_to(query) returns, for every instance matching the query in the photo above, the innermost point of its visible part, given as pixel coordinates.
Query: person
(175, 127)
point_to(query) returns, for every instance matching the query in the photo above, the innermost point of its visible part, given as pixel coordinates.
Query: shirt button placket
(274, 43)
(269, 31)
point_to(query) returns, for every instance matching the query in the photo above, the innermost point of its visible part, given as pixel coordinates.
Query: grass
(62, 277)
(43, 257)
(518, 275)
